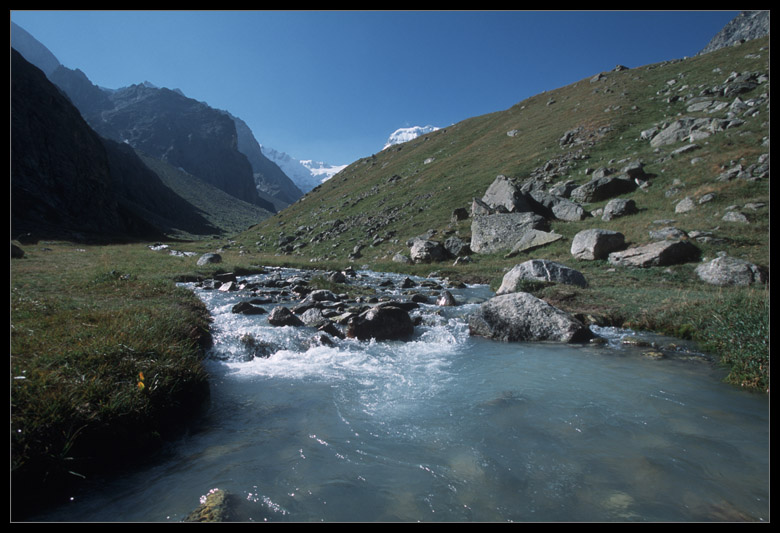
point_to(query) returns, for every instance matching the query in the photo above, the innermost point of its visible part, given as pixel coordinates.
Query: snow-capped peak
(403, 135)
(306, 174)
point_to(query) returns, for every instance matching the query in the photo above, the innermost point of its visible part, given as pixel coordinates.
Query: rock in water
(381, 323)
(214, 507)
(521, 316)
(282, 316)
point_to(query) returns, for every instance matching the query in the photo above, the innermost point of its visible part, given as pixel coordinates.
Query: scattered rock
(684, 205)
(214, 507)
(503, 193)
(531, 239)
(446, 299)
(735, 216)
(668, 233)
(425, 251)
(16, 252)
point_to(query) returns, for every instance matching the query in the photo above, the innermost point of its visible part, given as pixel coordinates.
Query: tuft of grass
(739, 331)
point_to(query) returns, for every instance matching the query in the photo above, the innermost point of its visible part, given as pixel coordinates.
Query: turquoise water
(448, 427)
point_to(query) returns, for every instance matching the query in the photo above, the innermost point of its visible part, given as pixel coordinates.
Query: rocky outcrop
(523, 317)
(725, 270)
(744, 27)
(63, 183)
(591, 244)
(662, 253)
(540, 270)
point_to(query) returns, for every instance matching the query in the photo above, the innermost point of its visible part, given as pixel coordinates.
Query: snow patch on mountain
(305, 173)
(403, 135)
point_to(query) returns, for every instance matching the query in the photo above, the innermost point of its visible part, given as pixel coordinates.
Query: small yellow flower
(141, 385)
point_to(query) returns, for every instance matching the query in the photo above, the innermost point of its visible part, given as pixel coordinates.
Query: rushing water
(448, 427)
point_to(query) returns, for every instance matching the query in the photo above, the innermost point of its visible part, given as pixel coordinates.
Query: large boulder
(591, 244)
(540, 270)
(504, 193)
(426, 251)
(521, 316)
(725, 270)
(501, 231)
(662, 253)
(619, 207)
(381, 323)
(603, 188)
(282, 316)
(209, 258)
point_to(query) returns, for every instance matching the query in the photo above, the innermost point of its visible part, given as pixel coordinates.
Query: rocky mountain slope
(746, 26)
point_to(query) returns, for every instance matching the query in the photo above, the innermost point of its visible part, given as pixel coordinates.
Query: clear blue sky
(333, 85)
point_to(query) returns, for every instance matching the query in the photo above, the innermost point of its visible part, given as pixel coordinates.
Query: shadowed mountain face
(181, 131)
(66, 181)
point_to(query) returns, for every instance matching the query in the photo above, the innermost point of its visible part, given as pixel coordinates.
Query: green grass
(87, 327)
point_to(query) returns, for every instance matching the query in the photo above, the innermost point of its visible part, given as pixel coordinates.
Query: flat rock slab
(501, 231)
(662, 253)
(533, 238)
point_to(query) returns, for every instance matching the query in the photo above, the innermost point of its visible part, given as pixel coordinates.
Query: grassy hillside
(226, 213)
(381, 201)
(417, 185)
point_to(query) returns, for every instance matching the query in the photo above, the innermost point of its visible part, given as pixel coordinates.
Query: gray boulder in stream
(384, 322)
(520, 316)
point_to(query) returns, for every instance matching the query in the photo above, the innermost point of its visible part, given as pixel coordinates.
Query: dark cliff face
(60, 178)
(68, 182)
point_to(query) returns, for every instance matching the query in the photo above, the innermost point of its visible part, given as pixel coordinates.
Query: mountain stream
(447, 427)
